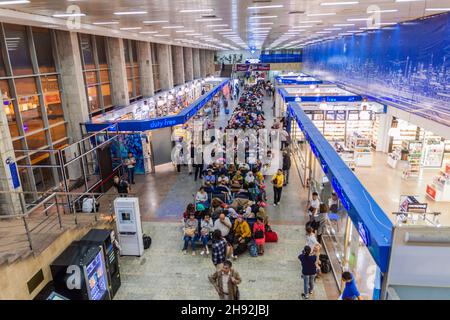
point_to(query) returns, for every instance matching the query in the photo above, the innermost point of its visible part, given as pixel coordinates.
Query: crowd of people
(230, 206)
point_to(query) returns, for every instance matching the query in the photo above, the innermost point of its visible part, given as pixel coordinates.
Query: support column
(118, 72)
(76, 103)
(211, 66)
(71, 69)
(178, 65)
(203, 63)
(196, 62)
(146, 67)
(188, 64)
(165, 66)
(9, 203)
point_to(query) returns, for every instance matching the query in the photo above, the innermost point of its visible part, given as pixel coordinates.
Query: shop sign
(253, 67)
(417, 207)
(431, 192)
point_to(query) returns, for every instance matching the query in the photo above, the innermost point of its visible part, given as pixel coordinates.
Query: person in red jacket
(259, 232)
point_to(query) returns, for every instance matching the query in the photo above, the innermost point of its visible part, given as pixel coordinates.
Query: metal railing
(39, 224)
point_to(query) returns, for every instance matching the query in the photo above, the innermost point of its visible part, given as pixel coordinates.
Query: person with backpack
(259, 233)
(123, 188)
(350, 292)
(309, 271)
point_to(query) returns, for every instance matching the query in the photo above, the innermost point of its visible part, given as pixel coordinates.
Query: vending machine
(129, 227)
(104, 238)
(79, 273)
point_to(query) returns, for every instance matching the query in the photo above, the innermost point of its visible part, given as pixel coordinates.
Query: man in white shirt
(223, 224)
(130, 162)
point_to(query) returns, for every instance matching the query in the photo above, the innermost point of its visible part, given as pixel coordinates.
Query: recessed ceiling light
(387, 23)
(122, 13)
(216, 25)
(148, 32)
(321, 14)
(105, 23)
(222, 30)
(437, 9)
(359, 19)
(208, 19)
(268, 28)
(261, 23)
(185, 31)
(311, 21)
(173, 27)
(343, 3)
(323, 32)
(155, 21)
(332, 29)
(162, 35)
(4, 3)
(131, 28)
(67, 15)
(263, 17)
(382, 11)
(195, 10)
(407, 0)
(343, 24)
(266, 7)
(301, 27)
(194, 34)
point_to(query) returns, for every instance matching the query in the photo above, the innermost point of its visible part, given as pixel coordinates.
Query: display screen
(96, 277)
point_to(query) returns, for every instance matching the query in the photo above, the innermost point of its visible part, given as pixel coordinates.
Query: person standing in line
(350, 292)
(192, 157)
(277, 181)
(226, 282)
(130, 162)
(286, 166)
(313, 206)
(219, 250)
(309, 270)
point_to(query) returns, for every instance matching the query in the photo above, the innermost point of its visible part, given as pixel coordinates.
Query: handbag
(271, 236)
(189, 232)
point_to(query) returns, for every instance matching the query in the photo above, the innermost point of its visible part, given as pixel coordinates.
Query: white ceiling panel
(272, 24)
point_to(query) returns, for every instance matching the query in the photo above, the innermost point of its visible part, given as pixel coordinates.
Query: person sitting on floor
(207, 227)
(241, 235)
(202, 197)
(190, 233)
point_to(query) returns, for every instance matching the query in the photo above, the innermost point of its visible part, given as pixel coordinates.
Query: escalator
(226, 71)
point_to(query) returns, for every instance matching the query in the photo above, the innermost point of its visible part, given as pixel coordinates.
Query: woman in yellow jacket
(277, 181)
(242, 235)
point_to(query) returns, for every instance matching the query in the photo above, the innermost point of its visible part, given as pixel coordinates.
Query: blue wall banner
(372, 223)
(406, 65)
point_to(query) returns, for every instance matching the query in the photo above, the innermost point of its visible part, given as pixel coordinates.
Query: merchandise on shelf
(433, 153)
(439, 190)
(414, 156)
(361, 145)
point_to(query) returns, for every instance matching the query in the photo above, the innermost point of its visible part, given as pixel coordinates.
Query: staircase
(226, 71)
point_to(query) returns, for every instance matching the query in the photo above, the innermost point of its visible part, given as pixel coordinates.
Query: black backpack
(147, 241)
(325, 264)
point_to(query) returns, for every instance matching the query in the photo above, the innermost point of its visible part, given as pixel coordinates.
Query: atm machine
(129, 226)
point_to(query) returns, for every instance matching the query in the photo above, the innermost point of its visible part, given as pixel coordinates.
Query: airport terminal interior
(225, 150)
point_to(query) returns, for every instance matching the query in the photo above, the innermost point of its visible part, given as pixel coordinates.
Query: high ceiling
(221, 24)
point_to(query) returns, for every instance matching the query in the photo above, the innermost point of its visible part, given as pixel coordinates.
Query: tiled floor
(386, 185)
(165, 273)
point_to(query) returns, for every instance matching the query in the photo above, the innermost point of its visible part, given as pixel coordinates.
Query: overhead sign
(253, 67)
